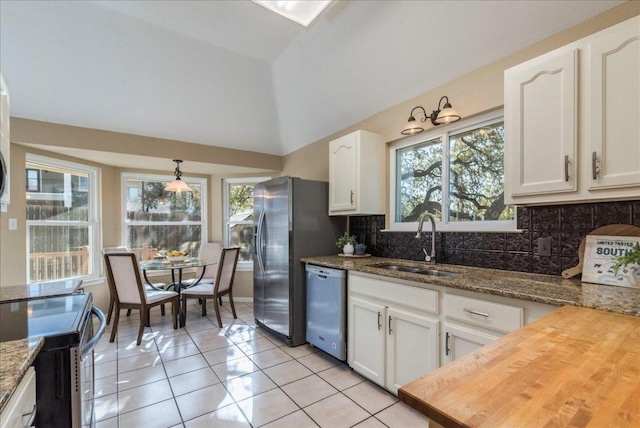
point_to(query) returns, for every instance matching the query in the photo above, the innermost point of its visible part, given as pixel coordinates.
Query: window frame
(93, 222)
(226, 222)
(204, 202)
(444, 133)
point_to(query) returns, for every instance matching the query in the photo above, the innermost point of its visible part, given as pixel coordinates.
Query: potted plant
(629, 263)
(346, 243)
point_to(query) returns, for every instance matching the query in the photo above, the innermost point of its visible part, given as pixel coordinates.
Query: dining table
(176, 269)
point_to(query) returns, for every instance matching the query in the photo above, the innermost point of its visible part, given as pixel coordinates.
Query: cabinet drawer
(22, 402)
(415, 297)
(491, 315)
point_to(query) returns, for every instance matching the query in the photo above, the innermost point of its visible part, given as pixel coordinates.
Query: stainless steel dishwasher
(327, 310)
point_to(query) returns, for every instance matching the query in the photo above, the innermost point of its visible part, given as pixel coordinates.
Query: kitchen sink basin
(418, 270)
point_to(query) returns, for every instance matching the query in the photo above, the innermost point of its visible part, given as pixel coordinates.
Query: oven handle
(88, 347)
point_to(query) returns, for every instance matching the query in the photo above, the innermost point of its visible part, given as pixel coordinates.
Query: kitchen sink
(418, 270)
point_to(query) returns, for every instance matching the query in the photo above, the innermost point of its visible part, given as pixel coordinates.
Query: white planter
(348, 249)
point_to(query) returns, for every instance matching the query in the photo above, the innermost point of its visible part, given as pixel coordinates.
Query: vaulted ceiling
(233, 74)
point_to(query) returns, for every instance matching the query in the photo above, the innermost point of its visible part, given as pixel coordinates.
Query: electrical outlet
(13, 224)
(544, 246)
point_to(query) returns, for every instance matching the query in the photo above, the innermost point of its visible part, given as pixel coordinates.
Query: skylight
(301, 11)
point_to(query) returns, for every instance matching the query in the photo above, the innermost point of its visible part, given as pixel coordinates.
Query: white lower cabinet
(20, 410)
(460, 341)
(392, 337)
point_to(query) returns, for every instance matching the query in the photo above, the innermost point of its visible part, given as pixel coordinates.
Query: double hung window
(456, 174)
(62, 213)
(155, 220)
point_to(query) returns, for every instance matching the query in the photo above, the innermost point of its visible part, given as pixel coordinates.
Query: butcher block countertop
(574, 367)
(552, 290)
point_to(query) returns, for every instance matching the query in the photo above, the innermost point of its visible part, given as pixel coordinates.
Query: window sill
(506, 227)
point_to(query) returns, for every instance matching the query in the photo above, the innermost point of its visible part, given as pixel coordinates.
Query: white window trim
(248, 265)
(95, 186)
(444, 133)
(162, 178)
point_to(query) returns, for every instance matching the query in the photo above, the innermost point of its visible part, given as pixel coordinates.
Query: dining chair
(155, 285)
(209, 251)
(222, 285)
(130, 293)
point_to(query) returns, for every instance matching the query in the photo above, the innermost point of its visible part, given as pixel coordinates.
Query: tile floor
(237, 376)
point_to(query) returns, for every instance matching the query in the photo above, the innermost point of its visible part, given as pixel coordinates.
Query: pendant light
(443, 115)
(177, 185)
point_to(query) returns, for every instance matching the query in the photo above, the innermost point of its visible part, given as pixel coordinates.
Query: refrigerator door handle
(260, 242)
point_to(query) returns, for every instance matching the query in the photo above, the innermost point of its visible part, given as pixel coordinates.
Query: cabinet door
(540, 126)
(460, 341)
(343, 160)
(366, 339)
(615, 107)
(412, 347)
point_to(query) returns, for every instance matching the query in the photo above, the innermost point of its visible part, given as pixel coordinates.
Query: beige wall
(474, 93)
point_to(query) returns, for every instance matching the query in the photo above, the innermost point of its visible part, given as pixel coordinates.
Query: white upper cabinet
(615, 108)
(542, 118)
(4, 137)
(572, 121)
(356, 174)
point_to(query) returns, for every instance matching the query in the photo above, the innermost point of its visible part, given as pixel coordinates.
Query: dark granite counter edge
(17, 356)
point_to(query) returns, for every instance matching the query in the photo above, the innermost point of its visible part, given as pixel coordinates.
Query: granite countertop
(15, 358)
(39, 290)
(552, 290)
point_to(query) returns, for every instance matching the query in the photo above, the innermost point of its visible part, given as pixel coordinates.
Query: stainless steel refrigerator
(290, 221)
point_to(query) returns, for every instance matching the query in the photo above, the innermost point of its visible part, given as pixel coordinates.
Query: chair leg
(220, 300)
(111, 303)
(174, 312)
(217, 308)
(233, 308)
(143, 321)
(183, 312)
(162, 309)
(128, 312)
(116, 318)
(204, 307)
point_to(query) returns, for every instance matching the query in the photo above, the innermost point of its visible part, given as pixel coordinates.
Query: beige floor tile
(206, 334)
(177, 352)
(106, 407)
(372, 422)
(105, 355)
(341, 377)
(336, 411)
(270, 358)
(212, 341)
(318, 362)
(231, 369)
(288, 372)
(144, 395)
(135, 378)
(200, 324)
(107, 369)
(203, 401)
(108, 423)
(159, 415)
(267, 407)
(370, 397)
(245, 335)
(185, 365)
(249, 385)
(138, 362)
(226, 417)
(308, 390)
(164, 342)
(131, 350)
(402, 416)
(254, 346)
(297, 419)
(220, 355)
(299, 351)
(192, 381)
(106, 386)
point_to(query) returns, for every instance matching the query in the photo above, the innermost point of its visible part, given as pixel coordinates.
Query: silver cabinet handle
(390, 325)
(379, 323)
(594, 165)
(566, 168)
(482, 314)
(32, 418)
(351, 197)
(446, 344)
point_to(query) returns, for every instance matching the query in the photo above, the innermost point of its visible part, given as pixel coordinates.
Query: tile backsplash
(566, 225)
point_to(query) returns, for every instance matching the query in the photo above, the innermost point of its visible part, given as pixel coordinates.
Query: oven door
(83, 383)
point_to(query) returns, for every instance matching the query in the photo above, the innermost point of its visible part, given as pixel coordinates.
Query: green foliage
(240, 198)
(345, 240)
(633, 256)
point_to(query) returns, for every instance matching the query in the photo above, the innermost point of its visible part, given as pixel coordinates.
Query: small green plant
(345, 240)
(633, 256)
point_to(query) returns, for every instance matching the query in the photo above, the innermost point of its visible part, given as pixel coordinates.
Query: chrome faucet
(431, 258)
